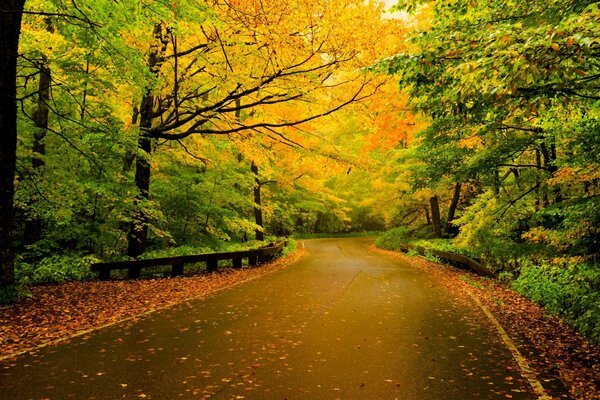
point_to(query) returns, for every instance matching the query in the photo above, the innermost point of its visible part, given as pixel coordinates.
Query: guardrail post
(253, 261)
(133, 272)
(177, 269)
(104, 275)
(212, 265)
(237, 262)
(264, 258)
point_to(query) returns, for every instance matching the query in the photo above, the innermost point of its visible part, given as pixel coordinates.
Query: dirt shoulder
(58, 312)
(567, 365)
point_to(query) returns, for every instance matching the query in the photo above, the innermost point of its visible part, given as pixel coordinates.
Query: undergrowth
(570, 290)
(60, 268)
(573, 292)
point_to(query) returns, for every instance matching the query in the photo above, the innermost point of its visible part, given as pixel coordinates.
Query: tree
(34, 223)
(206, 91)
(503, 85)
(183, 91)
(11, 13)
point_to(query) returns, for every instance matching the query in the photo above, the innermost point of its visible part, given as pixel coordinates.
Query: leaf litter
(60, 311)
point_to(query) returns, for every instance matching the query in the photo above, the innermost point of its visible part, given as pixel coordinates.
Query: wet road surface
(343, 323)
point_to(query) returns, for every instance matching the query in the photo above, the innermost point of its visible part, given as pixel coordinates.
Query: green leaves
(511, 89)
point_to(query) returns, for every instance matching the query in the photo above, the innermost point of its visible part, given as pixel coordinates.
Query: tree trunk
(34, 224)
(497, 182)
(450, 227)
(427, 217)
(258, 214)
(318, 221)
(10, 29)
(557, 191)
(129, 157)
(138, 232)
(538, 183)
(299, 223)
(435, 216)
(550, 165)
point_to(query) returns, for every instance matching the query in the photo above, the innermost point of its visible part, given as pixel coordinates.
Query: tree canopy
(148, 128)
(144, 126)
(510, 89)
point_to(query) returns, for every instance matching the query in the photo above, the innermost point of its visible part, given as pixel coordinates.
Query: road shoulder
(566, 364)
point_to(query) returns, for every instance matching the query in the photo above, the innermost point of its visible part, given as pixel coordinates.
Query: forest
(136, 129)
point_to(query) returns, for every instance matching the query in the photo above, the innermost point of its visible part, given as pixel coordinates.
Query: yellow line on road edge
(521, 361)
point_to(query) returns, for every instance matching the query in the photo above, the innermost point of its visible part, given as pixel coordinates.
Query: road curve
(343, 323)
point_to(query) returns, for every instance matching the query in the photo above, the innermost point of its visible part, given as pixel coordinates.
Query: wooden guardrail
(134, 267)
(453, 258)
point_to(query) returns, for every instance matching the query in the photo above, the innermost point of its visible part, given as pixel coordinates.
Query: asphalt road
(343, 323)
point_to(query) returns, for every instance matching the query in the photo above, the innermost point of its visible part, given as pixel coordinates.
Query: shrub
(13, 293)
(291, 247)
(571, 292)
(393, 238)
(184, 250)
(55, 269)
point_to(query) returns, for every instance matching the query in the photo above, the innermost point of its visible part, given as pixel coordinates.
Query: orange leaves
(390, 121)
(570, 42)
(573, 175)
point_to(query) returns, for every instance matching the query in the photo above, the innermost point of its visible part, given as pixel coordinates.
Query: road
(343, 323)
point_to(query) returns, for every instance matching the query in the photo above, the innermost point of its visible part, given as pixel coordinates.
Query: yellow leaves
(41, 39)
(471, 142)
(536, 235)
(555, 47)
(567, 260)
(368, 202)
(379, 184)
(555, 238)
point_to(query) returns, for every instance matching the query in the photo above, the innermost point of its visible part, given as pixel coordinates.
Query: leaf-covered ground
(57, 312)
(565, 361)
